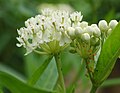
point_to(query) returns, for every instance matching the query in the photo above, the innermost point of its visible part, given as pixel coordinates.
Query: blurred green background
(13, 13)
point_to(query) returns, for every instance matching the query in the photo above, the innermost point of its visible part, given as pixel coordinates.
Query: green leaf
(38, 73)
(17, 86)
(111, 82)
(32, 63)
(1, 90)
(49, 78)
(12, 72)
(108, 56)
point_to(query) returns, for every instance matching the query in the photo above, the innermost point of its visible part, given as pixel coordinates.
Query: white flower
(103, 25)
(113, 24)
(71, 32)
(30, 22)
(76, 16)
(96, 30)
(94, 25)
(57, 36)
(83, 24)
(89, 30)
(79, 31)
(64, 39)
(85, 37)
(47, 12)
(21, 42)
(46, 29)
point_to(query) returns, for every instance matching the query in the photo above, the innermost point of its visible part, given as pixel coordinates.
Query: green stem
(60, 77)
(41, 53)
(89, 71)
(93, 90)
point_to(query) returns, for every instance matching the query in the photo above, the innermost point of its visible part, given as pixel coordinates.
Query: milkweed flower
(53, 30)
(106, 28)
(85, 38)
(113, 24)
(103, 25)
(48, 32)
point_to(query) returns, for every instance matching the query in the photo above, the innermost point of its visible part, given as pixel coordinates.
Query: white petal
(18, 45)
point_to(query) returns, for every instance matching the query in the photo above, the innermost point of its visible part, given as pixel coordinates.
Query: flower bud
(71, 31)
(109, 31)
(89, 30)
(78, 31)
(85, 37)
(96, 31)
(94, 25)
(113, 24)
(103, 25)
(83, 24)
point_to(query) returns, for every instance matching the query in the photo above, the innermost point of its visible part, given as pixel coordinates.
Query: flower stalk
(93, 90)
(61, 85)
(88, 69)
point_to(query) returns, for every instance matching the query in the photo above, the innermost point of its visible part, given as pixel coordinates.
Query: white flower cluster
(50, 26)
(107, 28)
(52, 31)
(85, 37)
(84, 31)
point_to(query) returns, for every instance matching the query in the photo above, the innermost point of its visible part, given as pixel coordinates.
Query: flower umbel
(47, 32)
(53, 30)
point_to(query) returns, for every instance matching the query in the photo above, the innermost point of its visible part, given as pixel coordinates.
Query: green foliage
(12, 15)
(12, 72)
(37, 74)
(111, 82)
(109, 53)
(35, 62)
(17, 86)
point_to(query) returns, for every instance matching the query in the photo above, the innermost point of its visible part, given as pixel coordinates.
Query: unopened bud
(96, 32)
(103, 25)
(89, 30)
(78, 31)
(71, 31)
(94, 25)
(113, 24)
(85, 37)
(83, 24)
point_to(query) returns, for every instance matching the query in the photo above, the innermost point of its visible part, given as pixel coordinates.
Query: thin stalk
(89, 71)
(41, 53)
(93, 90)
(60, 75)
